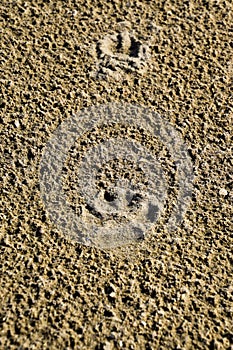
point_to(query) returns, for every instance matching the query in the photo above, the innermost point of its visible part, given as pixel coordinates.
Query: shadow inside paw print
(121, 53)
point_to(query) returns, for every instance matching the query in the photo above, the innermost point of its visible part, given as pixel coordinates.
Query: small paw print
(121, 53)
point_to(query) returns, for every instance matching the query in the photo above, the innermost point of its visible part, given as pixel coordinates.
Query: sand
(168, 290)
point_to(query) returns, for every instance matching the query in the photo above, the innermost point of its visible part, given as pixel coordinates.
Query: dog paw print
(121, 53)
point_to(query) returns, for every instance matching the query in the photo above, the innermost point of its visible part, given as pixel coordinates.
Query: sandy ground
(174, 57)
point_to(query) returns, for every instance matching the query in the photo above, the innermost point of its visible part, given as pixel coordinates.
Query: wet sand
(175, 290)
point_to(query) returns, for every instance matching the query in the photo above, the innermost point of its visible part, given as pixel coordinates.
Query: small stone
(17, 123)
(223, 192)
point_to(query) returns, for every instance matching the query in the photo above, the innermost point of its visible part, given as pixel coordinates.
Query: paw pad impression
(121, 53)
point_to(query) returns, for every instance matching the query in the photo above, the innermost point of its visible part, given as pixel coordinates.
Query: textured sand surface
(175, 57)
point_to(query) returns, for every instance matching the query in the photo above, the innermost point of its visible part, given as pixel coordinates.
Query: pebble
(17, 123)
(223, 192)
